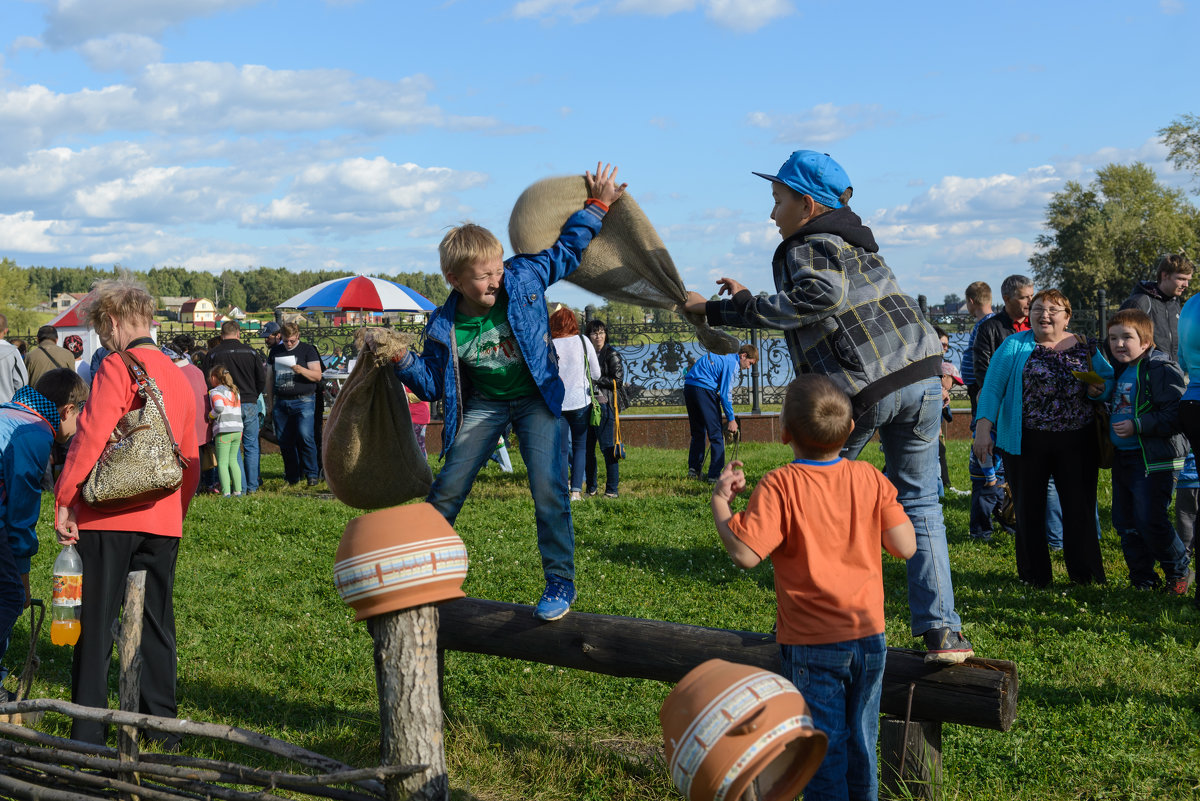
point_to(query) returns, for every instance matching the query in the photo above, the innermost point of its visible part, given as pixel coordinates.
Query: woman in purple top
(1045, 426)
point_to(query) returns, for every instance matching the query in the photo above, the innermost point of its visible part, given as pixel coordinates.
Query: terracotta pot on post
(392, 566)
(726, 725)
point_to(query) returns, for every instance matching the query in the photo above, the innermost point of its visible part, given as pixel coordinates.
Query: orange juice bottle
(67, 597)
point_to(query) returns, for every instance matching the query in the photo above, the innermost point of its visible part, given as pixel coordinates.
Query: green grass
(1109, 706)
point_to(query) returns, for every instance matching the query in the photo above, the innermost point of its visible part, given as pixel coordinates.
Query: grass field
(1109, 703)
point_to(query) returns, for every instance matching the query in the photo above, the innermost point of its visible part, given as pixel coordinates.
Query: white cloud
(824, 123)
(72, 22)
(746, 15)
(1003, 249)
(743, 16)
(656, 8)
(121, 52)
(1171, 6)
(21, 232)
(995, 197)
(361, 192)
(25, 43)
(205, 97)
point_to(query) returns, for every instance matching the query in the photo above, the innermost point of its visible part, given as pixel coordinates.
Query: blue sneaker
(556, 600)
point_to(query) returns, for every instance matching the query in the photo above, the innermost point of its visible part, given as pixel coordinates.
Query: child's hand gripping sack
(371, 455)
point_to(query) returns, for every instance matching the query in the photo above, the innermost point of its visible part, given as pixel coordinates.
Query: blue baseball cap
(814, 174)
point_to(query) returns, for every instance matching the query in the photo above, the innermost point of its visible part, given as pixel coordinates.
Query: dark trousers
(603, 436)
(1189, 421)
(1139, 513)
(1071, 457)
(108, 557)
(704, 422)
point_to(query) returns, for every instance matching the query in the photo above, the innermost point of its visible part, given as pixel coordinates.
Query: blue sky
(350, 134)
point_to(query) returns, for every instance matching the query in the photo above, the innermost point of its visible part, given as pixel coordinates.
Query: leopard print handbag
(141, 462)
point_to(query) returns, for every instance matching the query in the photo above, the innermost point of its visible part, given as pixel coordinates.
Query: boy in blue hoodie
(487, 354)
(1143, 401)
(29, 423)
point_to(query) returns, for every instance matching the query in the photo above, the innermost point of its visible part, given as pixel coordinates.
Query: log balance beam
(979, 692)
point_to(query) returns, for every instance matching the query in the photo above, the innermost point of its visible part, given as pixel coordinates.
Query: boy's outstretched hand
(603, 185)
(731, 481)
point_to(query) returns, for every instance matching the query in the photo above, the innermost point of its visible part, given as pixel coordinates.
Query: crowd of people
(1048, 408)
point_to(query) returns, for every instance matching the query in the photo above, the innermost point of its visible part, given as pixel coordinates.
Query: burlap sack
(626, 261)
(371, 456)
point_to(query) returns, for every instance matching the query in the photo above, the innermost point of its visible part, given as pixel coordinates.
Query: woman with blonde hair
(146, 537)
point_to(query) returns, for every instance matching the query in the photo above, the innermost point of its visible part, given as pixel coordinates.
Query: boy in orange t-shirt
(822, 520)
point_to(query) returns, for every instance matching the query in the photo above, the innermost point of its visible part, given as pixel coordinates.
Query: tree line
(1110, 233)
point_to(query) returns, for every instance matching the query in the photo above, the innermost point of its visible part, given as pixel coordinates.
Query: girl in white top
(575, 355)
(226, 415)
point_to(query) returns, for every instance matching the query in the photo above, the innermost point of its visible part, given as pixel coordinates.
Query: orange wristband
(591, 201)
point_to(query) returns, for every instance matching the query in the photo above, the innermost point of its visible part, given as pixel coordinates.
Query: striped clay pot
(399, 558)
(726, 725)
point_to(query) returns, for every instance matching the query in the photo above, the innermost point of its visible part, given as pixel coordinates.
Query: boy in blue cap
(29, 423)
(844, 315)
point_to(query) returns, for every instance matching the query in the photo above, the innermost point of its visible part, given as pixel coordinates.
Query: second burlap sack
(626, 262)
(371, 455)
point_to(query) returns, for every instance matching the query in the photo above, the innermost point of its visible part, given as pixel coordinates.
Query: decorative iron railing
(656, 356)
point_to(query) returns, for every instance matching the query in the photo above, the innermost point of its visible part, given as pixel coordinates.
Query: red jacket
(113, 394)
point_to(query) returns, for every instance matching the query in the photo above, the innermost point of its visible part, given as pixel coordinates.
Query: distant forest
(255, 290)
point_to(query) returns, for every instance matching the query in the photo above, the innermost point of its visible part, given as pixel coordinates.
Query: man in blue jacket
(488, 355)
(707, 390)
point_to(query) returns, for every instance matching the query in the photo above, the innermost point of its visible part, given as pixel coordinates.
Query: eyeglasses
(1053, 311)
(945, 346)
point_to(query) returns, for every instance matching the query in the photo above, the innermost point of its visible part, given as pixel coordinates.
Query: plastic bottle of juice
(68, 593)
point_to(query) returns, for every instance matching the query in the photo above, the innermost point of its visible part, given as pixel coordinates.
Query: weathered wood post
(129, 648)
(392, 566)
(910, 758)
(410, 708)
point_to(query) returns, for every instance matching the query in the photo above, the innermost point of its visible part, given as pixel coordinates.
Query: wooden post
(410, 708)
(910, 761)
(129, 647)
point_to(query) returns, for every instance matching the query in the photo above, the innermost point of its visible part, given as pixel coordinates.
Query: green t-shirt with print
(487, 349)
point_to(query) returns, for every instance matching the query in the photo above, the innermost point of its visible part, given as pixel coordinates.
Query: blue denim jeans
(1139, 514)
(248, 456)
(908, 421)
(574, 444)
(704, 422)
(1054, 519)
(297, 438)
(842, 683)
(537, 430)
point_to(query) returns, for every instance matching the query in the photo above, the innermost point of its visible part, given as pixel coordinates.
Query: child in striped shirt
(226, 415)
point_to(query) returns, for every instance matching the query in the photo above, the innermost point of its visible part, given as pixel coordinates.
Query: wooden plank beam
(980, 692)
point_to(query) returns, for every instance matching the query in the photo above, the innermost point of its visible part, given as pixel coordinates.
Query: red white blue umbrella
(359, 293)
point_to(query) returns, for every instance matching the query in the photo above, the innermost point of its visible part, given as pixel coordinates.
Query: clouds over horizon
(824, 123)
(741, 16)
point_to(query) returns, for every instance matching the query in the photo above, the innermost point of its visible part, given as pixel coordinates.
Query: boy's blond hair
(817, 413)
(979, 293)
(465, 245)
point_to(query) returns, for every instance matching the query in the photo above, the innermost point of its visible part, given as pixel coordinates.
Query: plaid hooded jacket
(841, 311)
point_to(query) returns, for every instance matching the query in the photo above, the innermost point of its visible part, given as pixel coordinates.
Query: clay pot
(399, 558)
(726, 725)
